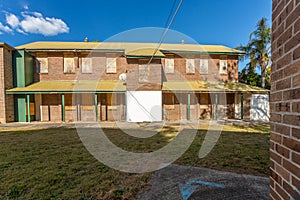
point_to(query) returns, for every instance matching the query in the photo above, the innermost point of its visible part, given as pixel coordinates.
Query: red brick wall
(285, 101)
(6, 82)
(55, 69)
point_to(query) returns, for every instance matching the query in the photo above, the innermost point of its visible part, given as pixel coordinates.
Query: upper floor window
(69, 65)
(169, 65)
(190, 66)
(203, 66)
(86, 65)
(111, 65)
(42, 65)
(223, 65)
(143, 73)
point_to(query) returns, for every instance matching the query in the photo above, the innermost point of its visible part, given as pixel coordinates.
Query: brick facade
(285, 101)
(6, 82)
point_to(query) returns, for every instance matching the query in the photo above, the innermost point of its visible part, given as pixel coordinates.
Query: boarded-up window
(169, 101)
(169, 65)
(111, 65)
(190, 66)
(223, 65)
(87, 101)
(203, 66)
(143, 73)
(42, 65)
(69, 65)
(86, 65)
(111, 101)
(69, 102)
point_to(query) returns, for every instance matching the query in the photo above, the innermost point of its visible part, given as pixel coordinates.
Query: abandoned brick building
(115, 81)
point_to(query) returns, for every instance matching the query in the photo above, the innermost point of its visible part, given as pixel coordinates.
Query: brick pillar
(6, 82)
(285, 101)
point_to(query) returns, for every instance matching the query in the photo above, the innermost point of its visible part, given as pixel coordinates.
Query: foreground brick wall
(6, 101)
(285, 101)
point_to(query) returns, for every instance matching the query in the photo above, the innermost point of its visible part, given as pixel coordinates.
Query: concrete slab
(181, 182)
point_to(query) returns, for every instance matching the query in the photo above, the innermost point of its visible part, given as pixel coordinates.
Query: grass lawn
(53, 163)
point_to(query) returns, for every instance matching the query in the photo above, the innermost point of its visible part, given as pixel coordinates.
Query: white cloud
(12, 20)
(26, 7)
(4, 28)
(34, 22)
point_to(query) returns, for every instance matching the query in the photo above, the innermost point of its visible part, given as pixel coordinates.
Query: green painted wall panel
(23, 68)
(20, 104)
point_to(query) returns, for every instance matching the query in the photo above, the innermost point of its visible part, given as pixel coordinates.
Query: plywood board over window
(69, 102)
(190, 66)
(203, 68)
(42, 65)
(169, 65)
(169, 101)
(86, 65)
(111, 100)
(69, 65)
(143, 73)
(111, 65)
(87, 101)
(223, 65)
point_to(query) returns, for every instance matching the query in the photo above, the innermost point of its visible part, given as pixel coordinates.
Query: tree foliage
(258, 51)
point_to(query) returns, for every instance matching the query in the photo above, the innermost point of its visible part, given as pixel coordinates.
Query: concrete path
(180, 182)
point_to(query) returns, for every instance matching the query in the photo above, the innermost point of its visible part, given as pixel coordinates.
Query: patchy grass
(53, 163)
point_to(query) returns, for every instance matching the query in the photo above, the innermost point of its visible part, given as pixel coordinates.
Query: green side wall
(23, 68)
(20, 111)
(23, 75)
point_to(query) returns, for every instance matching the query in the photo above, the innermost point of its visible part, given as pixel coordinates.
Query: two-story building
(115, 81)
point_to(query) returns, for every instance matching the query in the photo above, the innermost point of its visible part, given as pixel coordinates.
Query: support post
(96, 105)
(63, 107)
(28, 107)
(217, 103)
(242, 106)
(189, 106)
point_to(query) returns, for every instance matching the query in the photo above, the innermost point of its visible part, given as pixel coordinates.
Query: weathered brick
(282, 107)
(291, 119)
(275, 157)
(275, 117)
(283, 84)
(296, 133)
(293, 193)
(291, 167)
(296, 81)
(284, 61)
(291, 94)
(281, 192)
(283, 151)
(275, 176)
(291, 43)
(282, 172)
(296, 53)
(296, 183)
(275, 96)
(291, 69)
(296, 158)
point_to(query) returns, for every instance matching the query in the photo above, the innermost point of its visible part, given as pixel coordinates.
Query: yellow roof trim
(146, 52)
(202, 86)
(72, 86)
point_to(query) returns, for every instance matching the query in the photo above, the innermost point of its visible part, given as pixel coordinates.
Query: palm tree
(258, 49)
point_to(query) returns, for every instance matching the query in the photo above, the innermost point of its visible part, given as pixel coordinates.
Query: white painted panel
(237, 106)
(144, 106)
(260, 109)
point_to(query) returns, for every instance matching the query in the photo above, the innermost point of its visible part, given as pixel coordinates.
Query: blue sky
(206, 22)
